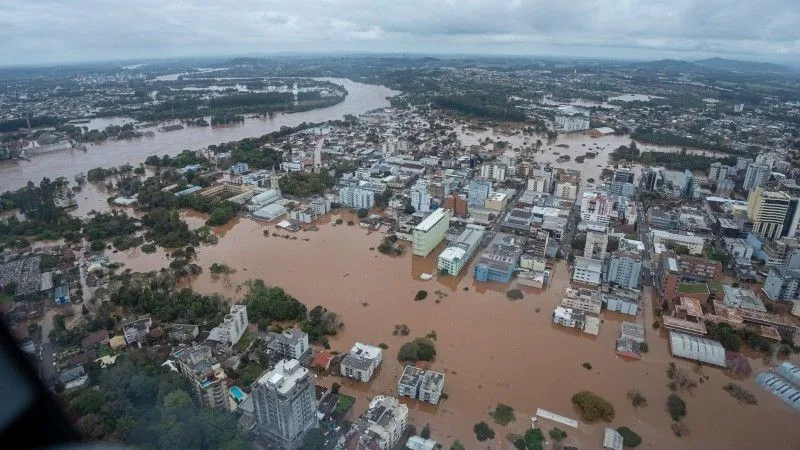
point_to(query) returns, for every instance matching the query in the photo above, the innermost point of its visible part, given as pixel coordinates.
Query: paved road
(47, 369)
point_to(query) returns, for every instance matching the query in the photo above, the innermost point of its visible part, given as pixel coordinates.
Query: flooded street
(491, 349)
(14, 174)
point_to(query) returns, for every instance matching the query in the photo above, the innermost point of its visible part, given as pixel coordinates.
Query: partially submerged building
(421, 384)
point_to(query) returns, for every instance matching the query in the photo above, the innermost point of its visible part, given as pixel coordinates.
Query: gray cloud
(53, 30)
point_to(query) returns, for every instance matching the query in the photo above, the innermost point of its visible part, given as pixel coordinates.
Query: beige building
(566, 189)
(430, 232)
(205, 375)
(496, 201)
(774, 214)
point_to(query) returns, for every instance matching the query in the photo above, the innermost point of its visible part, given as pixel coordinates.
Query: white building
(430, 232)
(305, 215)
(354, 197)
(419, 384)
(380, 427)
(596, 243)
(596, 206)
(290, 344)
(495, 172)
(285, 404)
(694, 243)
(420, 198)
(572, 123)
(263, 199)
(320, 206)
(361, 362)
(755, 176)
(136, 330)
(232, 327)
(457, 254)
(589, 271)
(568, 317)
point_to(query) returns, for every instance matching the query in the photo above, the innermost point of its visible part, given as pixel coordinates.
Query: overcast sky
(41, 31)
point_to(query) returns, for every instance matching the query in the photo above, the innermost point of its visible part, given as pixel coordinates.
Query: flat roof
(432, 219)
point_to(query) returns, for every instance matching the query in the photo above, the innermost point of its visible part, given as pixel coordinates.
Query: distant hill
(733, 65)
(712, 64)
(667, 65)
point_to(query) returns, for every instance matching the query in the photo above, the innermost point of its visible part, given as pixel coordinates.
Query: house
(136, 330)
(183, 332)
(322, 361)
(380, 427)
(73, 378)
(568, 317)
(117, 342)
(361, 362)
(95, 339)
(61, 295)
(612, 440)
(291, 344)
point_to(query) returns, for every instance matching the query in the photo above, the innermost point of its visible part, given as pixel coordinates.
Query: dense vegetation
(487, 107)
(304, 184)
(156, 294)
(631, 153)
(141, 403)
(320, 324)
(167, 229)
(629, 437)
(266, 304)
(482, 431)
(662, 137)
(420, 349)
(592, 407)
(503, 414)
(109, 225)
(676, 407)
(44, 218)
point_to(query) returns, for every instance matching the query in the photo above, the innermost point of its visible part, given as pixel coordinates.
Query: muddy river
(491, 349)
(13, 174)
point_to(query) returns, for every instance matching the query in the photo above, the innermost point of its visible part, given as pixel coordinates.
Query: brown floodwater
(13, 174)
(491, 349)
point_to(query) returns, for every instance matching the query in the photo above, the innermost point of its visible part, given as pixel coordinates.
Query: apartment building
(421, 384)
(774, 214)
(430, 232)
(205, 375)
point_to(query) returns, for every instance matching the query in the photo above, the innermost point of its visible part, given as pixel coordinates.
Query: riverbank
(15, 174)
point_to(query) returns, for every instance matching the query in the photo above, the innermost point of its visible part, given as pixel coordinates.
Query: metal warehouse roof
(780, 387)
(790, 372)
(697, 348)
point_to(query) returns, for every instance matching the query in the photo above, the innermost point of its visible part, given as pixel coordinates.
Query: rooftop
(432, 219)
(284, 376)
(697, 348)
(742, 298)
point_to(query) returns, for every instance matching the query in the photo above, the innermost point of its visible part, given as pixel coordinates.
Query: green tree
(177, 399)
(593, 407)
(676, 407)
(482, 431)
(426, 431)
(629, 438)
(457, 445)
(557, 434)
(362, 213)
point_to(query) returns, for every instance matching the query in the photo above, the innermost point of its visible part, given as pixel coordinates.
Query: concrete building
(263, 199)
(774, 214)
(496, 201)
(457, 254)
(566, 189)
(783, 382)
(270, 212)
(588, 271)
(421, 384)
(596, 243)
(741, 298)
(694, 243)
(320, 206)
(718, 171)
(479, 191)
(492, 171)
(596, 206)
(232, 327)
(285, 404)
(572, 123)
(673, 270)
(420, 198)
(541, 240)
(239, 168)
(622, 183)
(738, 248)
(568, 317)
(361, 362)
(625, 269)
(756, 175)
(380, 427)
(782, 284)
(500, 258)
(430, 232)
(136, 330)
(205, 375)
(354, 197)
(292, 343)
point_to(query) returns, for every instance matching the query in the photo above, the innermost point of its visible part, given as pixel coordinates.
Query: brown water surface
(491, 349)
